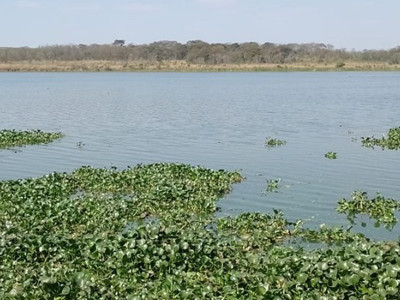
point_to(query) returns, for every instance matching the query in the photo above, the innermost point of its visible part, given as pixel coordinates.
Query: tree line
(200, 52)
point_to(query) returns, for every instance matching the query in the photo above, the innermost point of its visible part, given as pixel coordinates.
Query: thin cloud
(59, 5)
(217, 3)
(27, 4)
(139, 8)
(83, 6)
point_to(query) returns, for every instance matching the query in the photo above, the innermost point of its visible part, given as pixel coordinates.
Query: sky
(349, 24)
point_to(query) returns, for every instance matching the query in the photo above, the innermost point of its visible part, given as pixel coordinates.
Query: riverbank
(183, 66)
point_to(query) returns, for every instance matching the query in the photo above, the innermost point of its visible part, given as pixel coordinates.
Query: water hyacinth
(379, 208)
(149, 232)
(273, 142)
(13, 138)
(391, 142)
(331, 155)
(273, 185)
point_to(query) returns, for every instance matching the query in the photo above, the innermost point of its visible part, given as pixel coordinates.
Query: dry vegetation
(182, 66)
(196, 56)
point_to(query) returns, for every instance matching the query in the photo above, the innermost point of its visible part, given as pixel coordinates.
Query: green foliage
(330, 235)
(379, 208)
(204, 53)
(256, 228)
(272, 185)
(331, 155)
(391, 142)
(149, 232)
(271, 142)
(14, 138)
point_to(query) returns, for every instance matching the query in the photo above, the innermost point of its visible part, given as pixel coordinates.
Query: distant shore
(183, 66)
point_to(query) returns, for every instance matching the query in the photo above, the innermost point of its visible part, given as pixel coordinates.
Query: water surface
(217, 120)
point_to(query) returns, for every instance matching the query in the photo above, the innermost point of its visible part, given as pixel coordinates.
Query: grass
(182, 66)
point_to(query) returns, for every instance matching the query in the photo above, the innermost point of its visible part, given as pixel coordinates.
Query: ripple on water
(217, 121)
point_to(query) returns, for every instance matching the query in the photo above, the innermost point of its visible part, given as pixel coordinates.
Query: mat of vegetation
(391, 142)
(13, 138)
(379, 208)
(331, 155)
(149, 232)
(272, 142)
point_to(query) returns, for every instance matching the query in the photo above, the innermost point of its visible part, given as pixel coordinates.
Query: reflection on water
(218, 121)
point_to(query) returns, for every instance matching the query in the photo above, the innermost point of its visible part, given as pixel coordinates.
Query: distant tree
(250, 52)
(119, 43)
(198, 51)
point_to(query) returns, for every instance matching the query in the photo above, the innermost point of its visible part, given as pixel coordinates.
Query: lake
(220, 121)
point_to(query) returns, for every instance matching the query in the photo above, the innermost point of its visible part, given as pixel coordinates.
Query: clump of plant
(330, 235)
(331, 155)
(273, 142)
(14, 138)
(273, 185)
(258, 228)
(379, 208)
(391, 142)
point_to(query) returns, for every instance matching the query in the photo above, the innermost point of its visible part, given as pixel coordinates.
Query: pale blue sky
(358, 24)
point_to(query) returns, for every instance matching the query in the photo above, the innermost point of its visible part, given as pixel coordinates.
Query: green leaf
(66, 290)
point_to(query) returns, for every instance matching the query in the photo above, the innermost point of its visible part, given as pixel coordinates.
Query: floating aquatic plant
(331, 235)
(273, 185)
(273, 142)
(391, 142)
(379, 208)
(14, 138)
(256, 227)
(149, 232)
(331, 155)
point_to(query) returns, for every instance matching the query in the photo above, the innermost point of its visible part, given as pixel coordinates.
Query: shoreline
(183, 66)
